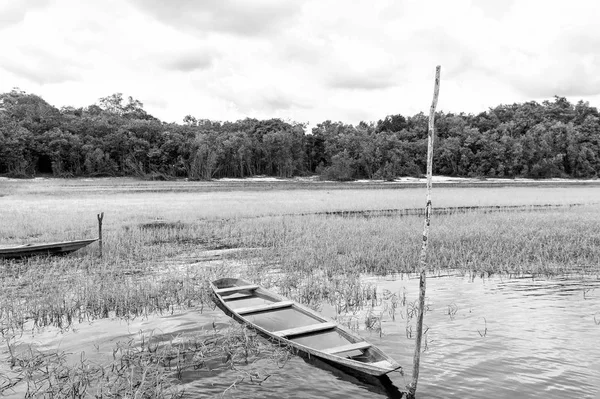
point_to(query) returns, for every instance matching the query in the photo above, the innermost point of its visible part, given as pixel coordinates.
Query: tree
(29, 111)
(391, 123)
(132, 109)
(16, 150)
(341, 169)
(62, 150)
(117, 137)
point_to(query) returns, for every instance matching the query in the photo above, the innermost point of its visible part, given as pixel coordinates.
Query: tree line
(117, 137)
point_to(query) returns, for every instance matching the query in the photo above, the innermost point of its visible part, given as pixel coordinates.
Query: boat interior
(284, 319)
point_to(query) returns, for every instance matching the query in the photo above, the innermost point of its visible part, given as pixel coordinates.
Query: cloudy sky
(304, 60)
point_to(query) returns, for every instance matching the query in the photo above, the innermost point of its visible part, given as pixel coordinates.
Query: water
(499, 338)
(493, 338)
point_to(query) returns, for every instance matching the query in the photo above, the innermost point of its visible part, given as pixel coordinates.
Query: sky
(301, 60)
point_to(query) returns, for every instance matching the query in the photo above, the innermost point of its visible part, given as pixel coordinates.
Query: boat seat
(237, 298)
(304, 329)
(231, 290)
(347, 348)
(263, 308)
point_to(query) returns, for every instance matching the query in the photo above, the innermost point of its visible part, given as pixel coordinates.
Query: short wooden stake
(412, 388)
(100, 217)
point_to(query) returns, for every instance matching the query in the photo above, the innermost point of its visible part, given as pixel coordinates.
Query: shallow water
(518, 337)
(492, 337)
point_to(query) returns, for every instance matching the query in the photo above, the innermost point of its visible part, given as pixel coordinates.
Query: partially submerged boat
(54, 248)
(303, 330)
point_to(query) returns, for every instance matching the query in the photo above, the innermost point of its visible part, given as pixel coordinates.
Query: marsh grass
(145, 367)
(59, 296)
(134, 278)
(153, 263)
(540, 243)
(324, 259)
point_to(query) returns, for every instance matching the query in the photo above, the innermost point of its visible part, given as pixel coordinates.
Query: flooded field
(487, 337)
(513, 298)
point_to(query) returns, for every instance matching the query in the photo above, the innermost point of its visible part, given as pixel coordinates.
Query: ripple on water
(493, 337)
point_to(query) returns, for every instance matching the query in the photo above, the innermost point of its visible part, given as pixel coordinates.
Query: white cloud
(305, 60)
(14, 12)
(237, 17)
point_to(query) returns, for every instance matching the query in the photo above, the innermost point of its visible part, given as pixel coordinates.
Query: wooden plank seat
(239, 288)
(264, 308)
(237, 298)
(304, 329)
(347, 348)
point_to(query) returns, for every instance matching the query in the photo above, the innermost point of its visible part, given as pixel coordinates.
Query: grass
(155, 261)
(143, 368)
(551, 242)
(127, 200)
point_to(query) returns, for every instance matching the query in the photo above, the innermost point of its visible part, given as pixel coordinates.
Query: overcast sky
(307, 61)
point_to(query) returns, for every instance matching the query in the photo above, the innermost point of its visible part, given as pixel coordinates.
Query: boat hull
(57, 248)
(366, 373)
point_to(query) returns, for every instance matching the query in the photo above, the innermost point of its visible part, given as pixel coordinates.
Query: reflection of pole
(412, 388)
(100, 217)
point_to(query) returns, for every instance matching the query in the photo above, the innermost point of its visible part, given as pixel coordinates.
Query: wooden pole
(412, 388)
(100, 217)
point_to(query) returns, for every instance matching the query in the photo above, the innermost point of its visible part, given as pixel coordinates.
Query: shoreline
(47, 185)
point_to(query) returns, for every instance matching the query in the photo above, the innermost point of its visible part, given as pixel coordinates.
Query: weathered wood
(382, 363)
(237, 298)
(100, 217)
(305, 329)
(370, 371)
(347, 348)
(231, 290)
(264, 308)
(55, 248)
(412, 388)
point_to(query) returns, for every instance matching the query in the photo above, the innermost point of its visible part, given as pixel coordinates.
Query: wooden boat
(307, 332)
(55, 248)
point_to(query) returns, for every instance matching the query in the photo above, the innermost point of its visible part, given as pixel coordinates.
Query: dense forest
(117, 137)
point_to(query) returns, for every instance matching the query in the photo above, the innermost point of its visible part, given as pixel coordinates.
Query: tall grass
(152, 267)
(551, 242)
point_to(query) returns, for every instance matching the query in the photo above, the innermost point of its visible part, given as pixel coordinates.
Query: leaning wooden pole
(412, 388)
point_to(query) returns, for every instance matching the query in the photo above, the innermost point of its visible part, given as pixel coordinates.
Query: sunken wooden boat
(54, 248)
(303, 330)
